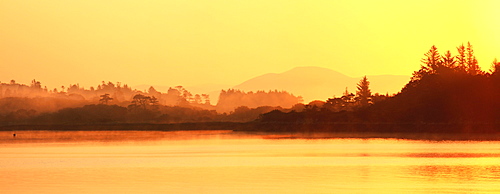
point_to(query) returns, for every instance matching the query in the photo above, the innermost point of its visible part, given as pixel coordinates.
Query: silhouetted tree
(105, 99)
(154, 102)
(141, 101)
(348, 97)
(448, 61)
(36, 84)
(461, 60)
(364, 92)
(472, 67)
(495, 67)
(430, 63)
(347, 102)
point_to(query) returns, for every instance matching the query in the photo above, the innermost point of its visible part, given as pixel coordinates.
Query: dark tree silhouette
(461, 60)
(36, 84)
(448, 94)
(432, 59)
(346, 102)
(154, 102)
(141, 101)
(448, 61)
(495, 67)
(472, 67)
(430, 63)
(105, 99)
(364, 92)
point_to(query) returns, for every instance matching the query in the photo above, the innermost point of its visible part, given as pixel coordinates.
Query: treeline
(135, 113)
(447, 94)
(121, 94)
(229, 99)
(21, 101)
(124, 105)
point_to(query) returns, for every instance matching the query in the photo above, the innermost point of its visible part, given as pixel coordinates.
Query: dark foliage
(448, 94)
(87, 114)
(443, 96)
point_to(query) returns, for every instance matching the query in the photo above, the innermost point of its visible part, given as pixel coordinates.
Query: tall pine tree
(364, 93)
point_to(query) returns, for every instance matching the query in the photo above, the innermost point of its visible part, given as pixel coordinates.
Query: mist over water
(229, 162)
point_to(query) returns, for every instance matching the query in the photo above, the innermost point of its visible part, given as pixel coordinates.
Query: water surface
(228, 162)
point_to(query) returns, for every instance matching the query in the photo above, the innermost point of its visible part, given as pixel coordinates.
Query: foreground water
(227, 162)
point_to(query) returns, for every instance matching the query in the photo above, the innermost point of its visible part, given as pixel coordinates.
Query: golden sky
(183, 42)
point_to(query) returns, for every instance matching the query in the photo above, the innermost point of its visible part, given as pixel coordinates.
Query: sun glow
(227, 42)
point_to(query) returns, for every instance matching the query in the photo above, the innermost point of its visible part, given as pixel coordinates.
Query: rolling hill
(317, 83)
(312, 83)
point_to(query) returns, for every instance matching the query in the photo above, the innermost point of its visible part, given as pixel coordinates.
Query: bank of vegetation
(448, 94)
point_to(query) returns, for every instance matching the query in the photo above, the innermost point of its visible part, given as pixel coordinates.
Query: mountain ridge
(319, 83)
(310, 82)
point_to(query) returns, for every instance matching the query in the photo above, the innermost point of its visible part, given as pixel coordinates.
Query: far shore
(287, 130)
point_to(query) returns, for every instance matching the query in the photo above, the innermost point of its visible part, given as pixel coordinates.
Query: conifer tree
(472, 67)
(431, 62)
(448, 61)
(364, 92)
(461, 60)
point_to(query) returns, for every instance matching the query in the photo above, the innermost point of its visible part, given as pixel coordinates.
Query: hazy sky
(170, 42)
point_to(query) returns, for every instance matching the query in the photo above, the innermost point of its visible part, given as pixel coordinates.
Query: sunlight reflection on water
(227, 162)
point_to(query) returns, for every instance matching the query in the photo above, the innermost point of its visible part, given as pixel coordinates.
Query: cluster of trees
(351, 102)
(34, 104)
(348, 102)
(142, 107)
(13, 89)
(464, 63)
(447, 94)
(19, 102)
(136, 112)
(110, 93)
(231, 99)
(450, 89)
(121, 94)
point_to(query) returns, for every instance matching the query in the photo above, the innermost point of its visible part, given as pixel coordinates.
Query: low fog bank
(117, 103)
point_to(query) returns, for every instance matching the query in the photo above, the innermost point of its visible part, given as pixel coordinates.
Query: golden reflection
(452, 155)
(230, 162)
(452, 173)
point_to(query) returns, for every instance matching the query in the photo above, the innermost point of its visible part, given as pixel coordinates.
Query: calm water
(224, 162)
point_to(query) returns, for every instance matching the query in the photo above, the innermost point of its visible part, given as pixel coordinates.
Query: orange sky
(179, 42)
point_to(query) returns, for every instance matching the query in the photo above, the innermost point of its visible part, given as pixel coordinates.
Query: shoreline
(285, 130)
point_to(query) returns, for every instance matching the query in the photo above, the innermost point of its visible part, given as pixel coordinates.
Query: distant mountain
(317, 83)
(312, 83)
